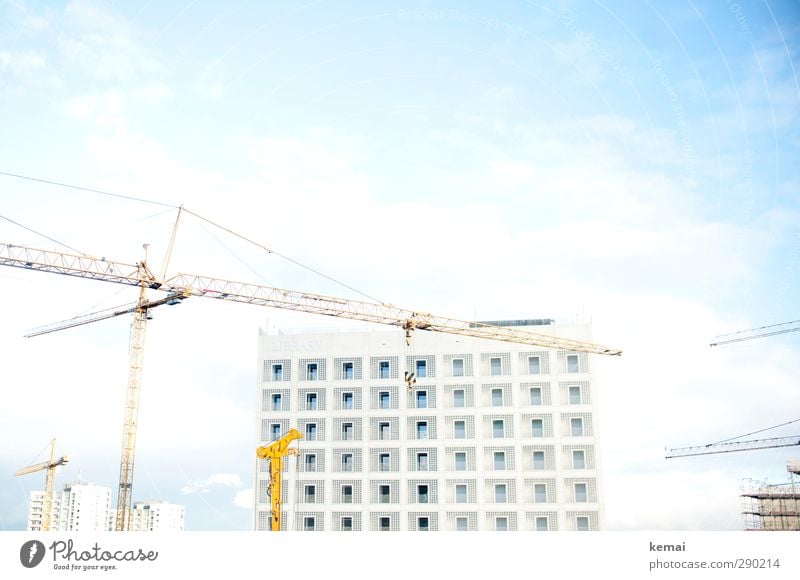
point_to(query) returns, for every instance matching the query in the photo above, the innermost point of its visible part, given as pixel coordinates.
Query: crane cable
(754, 432)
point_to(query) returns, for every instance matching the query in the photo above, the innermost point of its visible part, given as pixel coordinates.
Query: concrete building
(157, 516)
(773, 508)
(493, 435)
(80, 507)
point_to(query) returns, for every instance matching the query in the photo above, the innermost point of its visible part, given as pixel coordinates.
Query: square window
(578, 459)
(582, 524)
(383, 369)
(540, 493)
(459, 429)
(311, 431)
(536, 396)
(534, 366)
(277, 372)
(500, 460)
(422, 493)
(347, 371)
(541, 524)
(575, 395)
(312, 371)
(572, 363)
(422, 399)
(276, 402)
(581, 495)
(347, 401)
(497, 397)
(422, 369)
(384, 430)
(310, 494)
(275, 431)
(347, 462)
(422, 462)
(384, 400)
(311, 462)
(495, 366)
(422, 429)
(537, 428)
(462, 524)
(498, 428)
(458, 398)
(385, 461)
(501, 524)
(311, 401)
(458, 367)
(385, 524)
(538, 459)
(422, 524)
(347, 524)
(309, 524)
(461, 493)
(500, 493)
(384, 492)
(576, 426)
(461, 461)
(347, 494)
(347, 431)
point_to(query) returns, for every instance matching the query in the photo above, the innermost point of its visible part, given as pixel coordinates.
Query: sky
(630, 164)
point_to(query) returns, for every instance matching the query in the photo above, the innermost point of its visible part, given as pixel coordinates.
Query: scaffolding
(772, 508)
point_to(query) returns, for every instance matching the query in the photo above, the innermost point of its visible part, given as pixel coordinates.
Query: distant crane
(181, 286)
(275, 452)
(732, 446)
(49, 482)
(761, 332)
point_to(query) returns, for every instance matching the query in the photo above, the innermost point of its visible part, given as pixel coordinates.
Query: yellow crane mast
(49, 482)
(275, 452)
(181, 286)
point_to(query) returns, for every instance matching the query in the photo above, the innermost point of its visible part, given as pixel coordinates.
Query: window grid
(550, 490)
(489, 395)
(430, 391)
(338, 494)
(266, 428)
(354, 516)
(469, 426)
(433, 490)
(375, 428)
(338, 428)
(549, 463)
(489, 426)
(511, 490)
(552, 520)
(531, 427)
(338, 366)
(469, 395)
(448, 364)
(413, 521)
(375, 401)
(528, 398)
(511, 518)
(591, 488)
(300, 490)
(318, 421)
(338, 397)
(286, 369)
(430, 365)
(266, 400)
(583, 361)
(375, 459)
(471, 517)
(472, 490)
(412, 458)
(375, 521)
(337, 459)
(300, 521)
(319, 461)
(592, 517)
(544, 362)
(451, 457)
(412, 427)
(585, 392)
(303, 368)
(488, 457)
(374, 367)
(566, 424)
(394, 490)
(588, 456)
(505, 363)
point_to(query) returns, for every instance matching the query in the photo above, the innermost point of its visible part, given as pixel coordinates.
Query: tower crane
(181, 286)
(275, 452)
(732, 446)
(49, 482)
(761, 332)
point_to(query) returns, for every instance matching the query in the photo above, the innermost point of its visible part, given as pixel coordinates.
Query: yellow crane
(182, 285)
(49, 482)
(275, 452)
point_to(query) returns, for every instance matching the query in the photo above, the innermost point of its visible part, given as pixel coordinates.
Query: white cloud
(218, 479)
(244, 498)
(210, 83)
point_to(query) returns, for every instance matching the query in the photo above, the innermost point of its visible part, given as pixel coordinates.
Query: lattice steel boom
(732, 446)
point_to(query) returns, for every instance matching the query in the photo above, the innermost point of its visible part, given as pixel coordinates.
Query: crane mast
(49, 482)
(275, 452)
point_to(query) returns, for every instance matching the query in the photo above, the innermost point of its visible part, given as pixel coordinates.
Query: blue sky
(632, 163)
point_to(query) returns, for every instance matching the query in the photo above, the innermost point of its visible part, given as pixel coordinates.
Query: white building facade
(157, 516)
(80, 507)
(492, 436)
